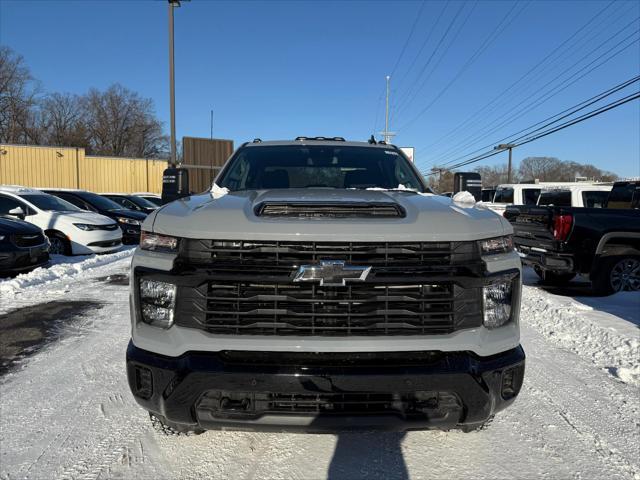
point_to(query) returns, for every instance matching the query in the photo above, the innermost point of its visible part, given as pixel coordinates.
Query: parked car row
(36, 222)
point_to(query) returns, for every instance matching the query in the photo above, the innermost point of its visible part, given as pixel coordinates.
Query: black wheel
(59, 244)
(617, 273)
(165, 427)
(477, 427)
(553, 278)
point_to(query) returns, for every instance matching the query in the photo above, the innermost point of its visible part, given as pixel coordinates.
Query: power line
(424, 44)
(413, 27)
(534, 68)
(545, 96)
(493, 35)
(562, 115)
(569, 123)
(439, 44)
(410, 95)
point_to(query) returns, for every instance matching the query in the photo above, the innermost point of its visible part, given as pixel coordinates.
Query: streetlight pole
(507, 146)
(172, 84)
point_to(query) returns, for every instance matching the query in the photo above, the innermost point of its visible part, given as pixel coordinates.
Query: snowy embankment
(66, 412)
(611, 342)
(60, 267)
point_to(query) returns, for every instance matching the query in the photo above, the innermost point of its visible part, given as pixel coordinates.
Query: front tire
(617, 273)
(59, 244)
(165, 427)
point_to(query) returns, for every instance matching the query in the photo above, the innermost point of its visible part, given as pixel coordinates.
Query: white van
(70, 230)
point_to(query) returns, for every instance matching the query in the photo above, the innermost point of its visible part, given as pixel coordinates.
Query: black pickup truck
(604, 243)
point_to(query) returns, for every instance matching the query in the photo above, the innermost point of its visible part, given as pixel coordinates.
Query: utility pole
(387, 134)
(172, 85)
(507, 146)
(211, 125)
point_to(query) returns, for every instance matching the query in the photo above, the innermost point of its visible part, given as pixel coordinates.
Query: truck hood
(232, 216)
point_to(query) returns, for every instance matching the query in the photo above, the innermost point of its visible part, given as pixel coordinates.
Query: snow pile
(464, 199)
(61, 267)
(218, 191)
(609, 342)
(401, 187)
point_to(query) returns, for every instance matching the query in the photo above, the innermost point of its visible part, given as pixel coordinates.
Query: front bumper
(547, 260)
(322, 392)
(23, 259)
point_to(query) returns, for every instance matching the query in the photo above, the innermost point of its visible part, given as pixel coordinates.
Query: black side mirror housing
(175, 184)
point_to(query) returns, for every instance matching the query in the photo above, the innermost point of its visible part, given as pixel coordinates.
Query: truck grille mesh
(276, 254)
(308, 309)
(247, 288)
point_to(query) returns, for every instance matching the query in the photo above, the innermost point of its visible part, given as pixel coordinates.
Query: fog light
(497, 304)
(512, 381)
(158, 301)
(144, 382)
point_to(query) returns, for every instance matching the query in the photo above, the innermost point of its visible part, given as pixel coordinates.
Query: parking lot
(67, 412)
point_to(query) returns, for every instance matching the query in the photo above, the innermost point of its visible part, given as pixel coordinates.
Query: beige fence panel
(69, 168)
(40, 166)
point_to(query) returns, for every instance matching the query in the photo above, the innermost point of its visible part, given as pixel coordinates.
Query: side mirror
(17, 212)
(175, 184)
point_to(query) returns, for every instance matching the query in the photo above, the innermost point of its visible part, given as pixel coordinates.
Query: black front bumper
(547, 260)
(323, 392)
(18, 260)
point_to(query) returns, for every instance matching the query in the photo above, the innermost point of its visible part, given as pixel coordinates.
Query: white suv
(70, 230)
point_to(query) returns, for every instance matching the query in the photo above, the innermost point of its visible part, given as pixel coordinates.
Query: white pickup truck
(528, 193)
(320, 286)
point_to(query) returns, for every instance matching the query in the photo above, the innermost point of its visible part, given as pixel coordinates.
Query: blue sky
(283, 69)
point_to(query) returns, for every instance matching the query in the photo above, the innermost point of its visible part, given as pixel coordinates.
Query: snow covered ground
(66, 411)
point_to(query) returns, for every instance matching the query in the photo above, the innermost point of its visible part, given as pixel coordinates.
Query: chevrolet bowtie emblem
(333, 273)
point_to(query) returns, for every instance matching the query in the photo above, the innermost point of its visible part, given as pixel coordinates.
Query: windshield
(142, 202)
(559, 198)
(155, 201)
(504, 195)
(99, 202)
(49, 203)
(318, 166)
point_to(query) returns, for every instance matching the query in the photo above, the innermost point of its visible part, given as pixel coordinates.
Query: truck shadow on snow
(25, 331)
(368, 455)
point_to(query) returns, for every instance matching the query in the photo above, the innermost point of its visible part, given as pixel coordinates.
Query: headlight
(497, 304)
(2, 237)
(128, 221)
(492, 246)
(85, 226)
(158, 300)
(160, 243)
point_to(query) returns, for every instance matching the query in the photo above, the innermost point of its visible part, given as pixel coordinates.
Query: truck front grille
(238, 404)
(309, 309)
(248, 255)
(252, 288)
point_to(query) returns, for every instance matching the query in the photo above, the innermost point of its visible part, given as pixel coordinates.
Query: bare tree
(494, 175)
(121, 123)
(18, 98)
(442, 181)
(545, 169)
(63, 120)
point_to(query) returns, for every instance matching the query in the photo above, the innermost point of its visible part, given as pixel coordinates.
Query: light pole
(387, 134)
(507, 146)
(172, 85)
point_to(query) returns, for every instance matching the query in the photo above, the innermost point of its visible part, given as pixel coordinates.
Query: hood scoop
(330, 210)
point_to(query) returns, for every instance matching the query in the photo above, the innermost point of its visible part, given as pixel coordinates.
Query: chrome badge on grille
(333, 273)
